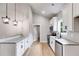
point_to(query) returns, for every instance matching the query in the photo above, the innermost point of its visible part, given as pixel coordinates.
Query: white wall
(44, 26)
(55, 24)
(23, 16)
(51, 22)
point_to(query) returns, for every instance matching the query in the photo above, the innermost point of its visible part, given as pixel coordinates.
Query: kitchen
(65, 43)
(57, 22)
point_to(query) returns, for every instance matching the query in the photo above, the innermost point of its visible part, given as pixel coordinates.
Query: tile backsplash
(73, 36)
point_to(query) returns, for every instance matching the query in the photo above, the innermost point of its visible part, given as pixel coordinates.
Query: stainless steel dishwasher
(58, 48)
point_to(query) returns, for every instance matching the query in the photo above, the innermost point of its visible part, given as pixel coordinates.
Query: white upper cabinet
(75, 9)
(2, 10)
(69, 12)
(24, 15)
(22, 11)
(7, 29)
(11, 14)
(67, 17)
(75, 14)
(64, 16)
(11, 11)
(55, 27)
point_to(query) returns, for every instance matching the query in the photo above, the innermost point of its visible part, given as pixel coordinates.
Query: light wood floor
(39, 49)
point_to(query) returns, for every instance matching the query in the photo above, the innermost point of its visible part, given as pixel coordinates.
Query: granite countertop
(64, 41)
(11, 41)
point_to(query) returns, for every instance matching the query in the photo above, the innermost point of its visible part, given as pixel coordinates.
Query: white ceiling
(46, 9)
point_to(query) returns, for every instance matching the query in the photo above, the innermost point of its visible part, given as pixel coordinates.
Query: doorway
(37, 32)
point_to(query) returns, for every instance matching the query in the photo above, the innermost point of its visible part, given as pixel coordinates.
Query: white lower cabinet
(28, 41)
(71, 50)
(20, 48)
(52, 42)
(12, 49)
(24, 44)
(8, 49)
(15, 48)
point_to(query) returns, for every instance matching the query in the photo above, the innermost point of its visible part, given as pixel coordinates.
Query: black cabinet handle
(51, 42)
(21, 46)
(27, 41)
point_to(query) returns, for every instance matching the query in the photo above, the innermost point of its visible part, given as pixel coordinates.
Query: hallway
(40, 49)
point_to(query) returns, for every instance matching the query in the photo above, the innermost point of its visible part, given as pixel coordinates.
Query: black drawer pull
(21, 46)
(51, 42)
(27, 41)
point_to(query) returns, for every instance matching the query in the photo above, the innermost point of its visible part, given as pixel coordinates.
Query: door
(37, 32)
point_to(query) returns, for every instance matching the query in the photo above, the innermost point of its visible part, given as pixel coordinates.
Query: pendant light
(6, 19)
(15, 22)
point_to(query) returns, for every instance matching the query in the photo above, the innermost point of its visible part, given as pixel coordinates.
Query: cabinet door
(7, 49)
(64, 16)
(2, 14)
(30, 40)
(75, 9)
(52, 43)
(2, 9)
(70, 50)
(11, 11)
(55, 20)
(12, 30)
(20, 48)
(20, 14)
(26, 43)
(67, 17)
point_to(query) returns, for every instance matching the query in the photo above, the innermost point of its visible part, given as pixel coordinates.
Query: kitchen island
(15, 46)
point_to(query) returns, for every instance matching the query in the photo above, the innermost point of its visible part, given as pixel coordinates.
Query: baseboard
(43, 41)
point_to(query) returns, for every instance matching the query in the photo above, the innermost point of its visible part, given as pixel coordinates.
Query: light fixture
(15, 22)
(6, 19)
(43, 12)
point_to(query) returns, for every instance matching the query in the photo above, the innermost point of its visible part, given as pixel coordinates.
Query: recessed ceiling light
(43, 12)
